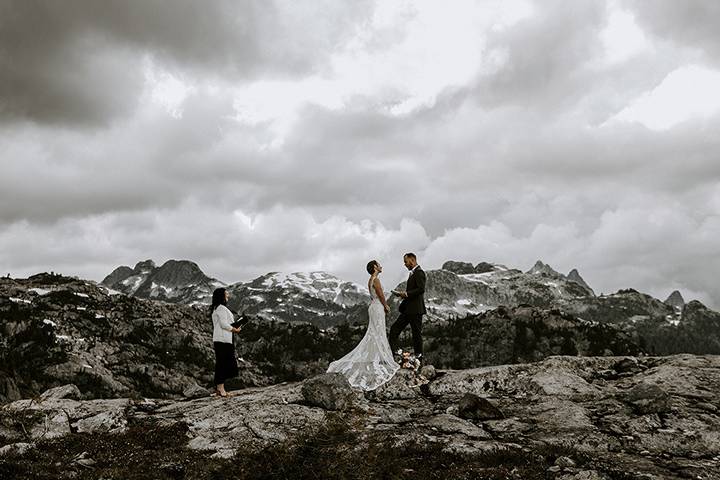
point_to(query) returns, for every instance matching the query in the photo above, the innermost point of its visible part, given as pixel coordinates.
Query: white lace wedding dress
(371, 362)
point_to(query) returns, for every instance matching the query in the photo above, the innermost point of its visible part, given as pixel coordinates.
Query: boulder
(561, 383)
(330, 391)
(428, 371)
(473, 407)
(113, 421)
(195, 391)
(54, 424)
(648, 398)
(58, 393)
(627, 365)
(451, 424)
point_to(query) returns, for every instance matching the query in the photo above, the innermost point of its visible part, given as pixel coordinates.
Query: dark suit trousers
(415, 322)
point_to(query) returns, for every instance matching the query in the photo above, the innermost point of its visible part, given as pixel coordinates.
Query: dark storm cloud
(81, 61)
(690, 23)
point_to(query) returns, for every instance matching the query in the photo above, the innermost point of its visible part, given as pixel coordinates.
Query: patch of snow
(81, 308)
(477, 277)
(155, 286)
(49, 322)
(135, 280)
(19, 300)
(40, 291)
(86, 365)
(97, 315)
(84, 295)
(470, 276)
(464, 301)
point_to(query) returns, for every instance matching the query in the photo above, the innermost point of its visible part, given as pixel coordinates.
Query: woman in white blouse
(225, 360)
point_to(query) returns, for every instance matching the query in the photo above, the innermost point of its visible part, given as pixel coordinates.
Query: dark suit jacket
(414, 304)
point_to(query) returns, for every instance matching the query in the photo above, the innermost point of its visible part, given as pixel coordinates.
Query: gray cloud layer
(519, 163)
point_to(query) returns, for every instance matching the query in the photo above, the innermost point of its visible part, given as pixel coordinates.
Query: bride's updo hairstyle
(371, 266)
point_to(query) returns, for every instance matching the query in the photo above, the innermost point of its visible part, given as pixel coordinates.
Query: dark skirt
(225, 362)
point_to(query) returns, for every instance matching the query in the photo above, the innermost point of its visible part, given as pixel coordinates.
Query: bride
(371, 362)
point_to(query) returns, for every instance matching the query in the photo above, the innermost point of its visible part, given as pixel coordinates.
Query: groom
(412, 307)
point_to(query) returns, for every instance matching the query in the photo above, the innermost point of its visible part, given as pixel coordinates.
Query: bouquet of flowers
(411, 362)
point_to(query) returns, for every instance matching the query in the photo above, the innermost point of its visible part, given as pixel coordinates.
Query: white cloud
(686, 93)
(622, 37)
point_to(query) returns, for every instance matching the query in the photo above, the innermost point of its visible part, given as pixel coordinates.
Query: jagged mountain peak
(145, 265)
(540, 268)
(177, 281)
(675, 299)
(118, 275)
(179, 273)
(574, 276)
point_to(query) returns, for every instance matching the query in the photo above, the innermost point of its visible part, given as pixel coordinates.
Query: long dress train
(371, 362)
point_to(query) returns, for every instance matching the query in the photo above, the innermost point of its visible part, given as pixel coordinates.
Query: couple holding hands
(371, 363)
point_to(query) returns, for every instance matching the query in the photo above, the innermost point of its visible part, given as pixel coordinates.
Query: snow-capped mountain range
(455, 290)
(319, 297)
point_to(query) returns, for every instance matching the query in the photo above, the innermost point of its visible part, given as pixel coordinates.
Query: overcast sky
(261, 136)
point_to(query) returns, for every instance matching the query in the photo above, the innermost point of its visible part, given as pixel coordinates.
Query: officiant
(223, 328)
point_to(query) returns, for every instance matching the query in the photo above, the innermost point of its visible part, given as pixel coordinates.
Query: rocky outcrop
(460, 268)
(59, 330)
(563, 417)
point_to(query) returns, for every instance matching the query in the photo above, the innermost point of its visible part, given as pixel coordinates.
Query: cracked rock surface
(612, 417)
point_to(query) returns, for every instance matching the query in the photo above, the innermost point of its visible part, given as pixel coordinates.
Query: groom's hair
(371, 266)
(411, 255)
